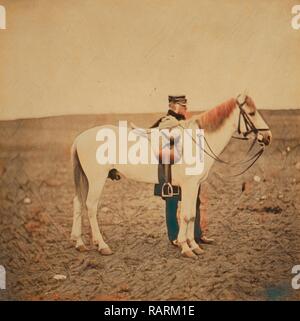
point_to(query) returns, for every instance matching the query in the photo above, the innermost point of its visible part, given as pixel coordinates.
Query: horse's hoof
(175, 243)
(190, 255)
(105, 251)
(198, 250)
(81, 248)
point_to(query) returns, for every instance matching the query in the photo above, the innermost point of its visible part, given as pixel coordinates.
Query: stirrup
(169, 190)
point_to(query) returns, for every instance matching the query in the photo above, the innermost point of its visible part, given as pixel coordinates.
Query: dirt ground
(257, 232)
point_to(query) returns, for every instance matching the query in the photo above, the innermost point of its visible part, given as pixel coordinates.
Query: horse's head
(251, 122)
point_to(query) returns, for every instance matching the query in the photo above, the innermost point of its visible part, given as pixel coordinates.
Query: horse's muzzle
(265, 137)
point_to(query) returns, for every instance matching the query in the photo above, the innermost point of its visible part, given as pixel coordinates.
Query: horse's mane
(213, 119)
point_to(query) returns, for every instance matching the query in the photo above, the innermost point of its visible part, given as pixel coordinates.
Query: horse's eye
(252, 113)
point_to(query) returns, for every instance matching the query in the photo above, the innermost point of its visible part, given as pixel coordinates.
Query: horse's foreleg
(187, 215)
(191, 230)
(95, 187)
(191, 236)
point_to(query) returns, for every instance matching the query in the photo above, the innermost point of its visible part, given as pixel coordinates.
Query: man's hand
(168, 122)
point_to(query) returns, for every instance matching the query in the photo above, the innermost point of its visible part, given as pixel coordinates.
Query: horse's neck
(220, 138)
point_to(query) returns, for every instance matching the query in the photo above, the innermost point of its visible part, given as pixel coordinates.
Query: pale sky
(125, 56)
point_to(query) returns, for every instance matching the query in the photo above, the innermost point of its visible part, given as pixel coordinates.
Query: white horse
(220, 123)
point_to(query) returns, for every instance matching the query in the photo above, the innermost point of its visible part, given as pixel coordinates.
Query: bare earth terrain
(257, 232)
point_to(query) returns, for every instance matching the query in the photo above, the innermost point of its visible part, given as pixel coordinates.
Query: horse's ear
(241, 98)
(246, 92)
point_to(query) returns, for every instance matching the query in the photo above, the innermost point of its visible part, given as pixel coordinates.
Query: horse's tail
(80, 179)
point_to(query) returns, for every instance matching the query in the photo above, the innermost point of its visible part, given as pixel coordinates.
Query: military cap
(178, 99)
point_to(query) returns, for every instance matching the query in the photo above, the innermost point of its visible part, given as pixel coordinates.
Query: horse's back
(87, 143)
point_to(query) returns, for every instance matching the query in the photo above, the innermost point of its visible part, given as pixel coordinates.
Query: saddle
(165, 188)
(168, 154)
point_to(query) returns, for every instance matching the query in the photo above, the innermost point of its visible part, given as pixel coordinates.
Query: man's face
(180, 109)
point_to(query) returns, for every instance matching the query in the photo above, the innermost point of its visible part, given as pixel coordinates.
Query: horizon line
(128, 113)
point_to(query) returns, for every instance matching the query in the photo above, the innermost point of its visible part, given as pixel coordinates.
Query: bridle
(250, 128)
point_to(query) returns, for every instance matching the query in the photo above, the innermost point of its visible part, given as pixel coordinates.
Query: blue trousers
(171, 219)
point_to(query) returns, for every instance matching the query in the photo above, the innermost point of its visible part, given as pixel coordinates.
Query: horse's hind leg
(95, 188)
(76, 234)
